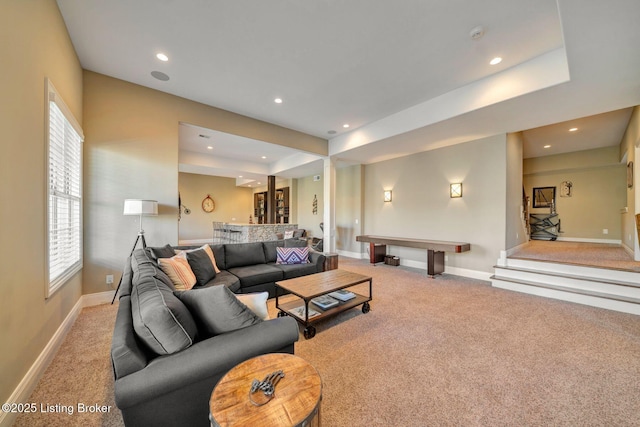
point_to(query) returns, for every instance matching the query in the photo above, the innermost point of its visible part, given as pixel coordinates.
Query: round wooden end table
(296, 400)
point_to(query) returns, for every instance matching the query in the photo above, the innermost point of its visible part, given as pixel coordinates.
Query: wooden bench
(435, 249)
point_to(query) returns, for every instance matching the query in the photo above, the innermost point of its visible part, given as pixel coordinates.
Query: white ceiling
(406, 76)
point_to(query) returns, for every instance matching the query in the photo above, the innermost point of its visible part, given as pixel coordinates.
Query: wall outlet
(109, 279)
(605, 231)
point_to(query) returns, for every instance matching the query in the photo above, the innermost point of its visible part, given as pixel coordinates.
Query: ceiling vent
(477, 33)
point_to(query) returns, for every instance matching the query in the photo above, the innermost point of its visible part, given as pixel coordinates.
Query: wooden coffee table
(314, 285)
(296, 399)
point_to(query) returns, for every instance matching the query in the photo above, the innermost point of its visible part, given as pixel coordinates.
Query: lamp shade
(140, 207)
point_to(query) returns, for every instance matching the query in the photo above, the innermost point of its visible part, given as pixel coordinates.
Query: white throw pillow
(288, 234)
(257, 302)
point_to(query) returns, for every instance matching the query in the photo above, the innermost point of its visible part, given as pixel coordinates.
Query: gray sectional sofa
(164, 368)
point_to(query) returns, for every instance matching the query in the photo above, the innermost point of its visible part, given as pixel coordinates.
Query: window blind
(65, 193)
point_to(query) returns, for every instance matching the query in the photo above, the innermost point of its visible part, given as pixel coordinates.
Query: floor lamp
(140, 208)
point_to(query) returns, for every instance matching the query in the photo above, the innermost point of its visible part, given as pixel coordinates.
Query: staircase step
(571, 276)
(568, 289)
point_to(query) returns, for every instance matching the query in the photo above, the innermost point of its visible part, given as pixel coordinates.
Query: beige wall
(307, 188)
(628, 147)
(131, 151)
(515, 231)
(422, 208)
(233, 204)
(34, 45)
(349, 201)
(598, 192)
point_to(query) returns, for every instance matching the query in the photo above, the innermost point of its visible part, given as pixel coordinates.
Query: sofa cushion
(252, 275)
(241, 254)
(270, 249)
(201, 265)
(296, 270)
(217, 310)
(295, 243)
(161, 321)
(292, 256)
(223, 278)
(126, 280)
(179, 271)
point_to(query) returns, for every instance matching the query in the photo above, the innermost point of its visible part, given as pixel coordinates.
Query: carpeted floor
(432, 352)
(602, 255)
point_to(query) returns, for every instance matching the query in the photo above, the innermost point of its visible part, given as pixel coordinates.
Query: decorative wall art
(565, 188)
(315, 205)
(630, 175)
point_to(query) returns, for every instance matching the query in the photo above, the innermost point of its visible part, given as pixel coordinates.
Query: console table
(435, 249)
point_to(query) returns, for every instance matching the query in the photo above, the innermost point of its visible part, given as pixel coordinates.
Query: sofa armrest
(317, 258)
(210, 358)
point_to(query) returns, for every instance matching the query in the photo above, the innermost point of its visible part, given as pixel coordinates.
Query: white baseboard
(90, 300)
(22, 393)
(585, 240)
(28, 383)
(515, 249)
(356, 255)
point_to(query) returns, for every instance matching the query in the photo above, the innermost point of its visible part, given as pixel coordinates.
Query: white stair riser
(569, 282)
(576, 270)
(609, 304)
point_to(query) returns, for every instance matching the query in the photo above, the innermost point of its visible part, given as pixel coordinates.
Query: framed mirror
(544, 197)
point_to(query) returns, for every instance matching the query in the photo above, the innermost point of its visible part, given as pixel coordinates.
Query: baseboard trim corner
(24, 389)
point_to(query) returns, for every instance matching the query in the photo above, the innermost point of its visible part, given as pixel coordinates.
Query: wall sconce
(387, 195)
(455, 190)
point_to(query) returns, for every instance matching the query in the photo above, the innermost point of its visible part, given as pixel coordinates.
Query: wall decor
(565, 188)
(544, 197)
(208, 205)
(630, 175)
(315, 205)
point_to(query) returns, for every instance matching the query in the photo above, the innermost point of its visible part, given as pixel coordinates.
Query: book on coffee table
(325, 302)
(300, 312)
(342, 295)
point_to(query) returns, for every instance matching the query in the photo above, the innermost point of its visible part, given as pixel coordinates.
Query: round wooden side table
(296, 401)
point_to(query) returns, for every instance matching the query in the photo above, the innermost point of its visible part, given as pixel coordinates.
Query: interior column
(329, 214)
(271, 199)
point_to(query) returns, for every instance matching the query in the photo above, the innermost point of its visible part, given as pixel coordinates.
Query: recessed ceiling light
(239, 176)
(346, 125)
(259, 183)
(495, 61)
(547, 146)
(204, 136)
(573, 129)
(332, 132)
(209, 148)
(162, 57)
(264, 157)
(278, 100)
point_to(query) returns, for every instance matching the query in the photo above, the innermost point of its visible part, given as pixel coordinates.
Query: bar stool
(218, 232)
(234, 234)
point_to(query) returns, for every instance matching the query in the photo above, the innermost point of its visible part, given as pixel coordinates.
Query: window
(64, 182)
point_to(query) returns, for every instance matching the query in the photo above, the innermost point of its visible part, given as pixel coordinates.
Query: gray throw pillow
(202, 267)
(217, 310)
(165, 251)
(161, 320)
